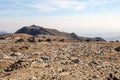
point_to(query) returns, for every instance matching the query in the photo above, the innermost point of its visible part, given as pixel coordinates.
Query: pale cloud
(25, 14)
(43, 8)
(54, 5)
(95, 3)
(69, 4)
(74, 5)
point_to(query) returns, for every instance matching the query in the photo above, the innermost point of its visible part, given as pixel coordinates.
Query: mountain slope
(36, 30)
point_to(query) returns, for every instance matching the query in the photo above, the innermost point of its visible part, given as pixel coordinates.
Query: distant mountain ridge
(37, 30)
(113, 38)
(2, 32)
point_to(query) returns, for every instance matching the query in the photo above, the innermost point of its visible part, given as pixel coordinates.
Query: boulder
(117, 49)
(31, 39)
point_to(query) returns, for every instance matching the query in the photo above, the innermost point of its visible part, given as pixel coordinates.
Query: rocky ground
(31, 59)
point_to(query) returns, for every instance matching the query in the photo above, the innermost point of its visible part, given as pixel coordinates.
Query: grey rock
(8, 38)
(17, 65)
(75, 61)
(117, 49)
(31, 39)
(15, 54)
(41, 59)
(19, 40)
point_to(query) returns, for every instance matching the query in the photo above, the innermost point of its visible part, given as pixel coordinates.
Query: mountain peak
(37, 30)
(33, 25)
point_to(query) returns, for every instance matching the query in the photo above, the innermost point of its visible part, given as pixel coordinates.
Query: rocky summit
(46, 57)
(37, 30)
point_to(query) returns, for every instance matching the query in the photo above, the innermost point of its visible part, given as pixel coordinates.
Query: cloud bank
(51, 5)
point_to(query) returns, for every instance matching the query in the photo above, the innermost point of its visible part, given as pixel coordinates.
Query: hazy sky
(80, 16)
